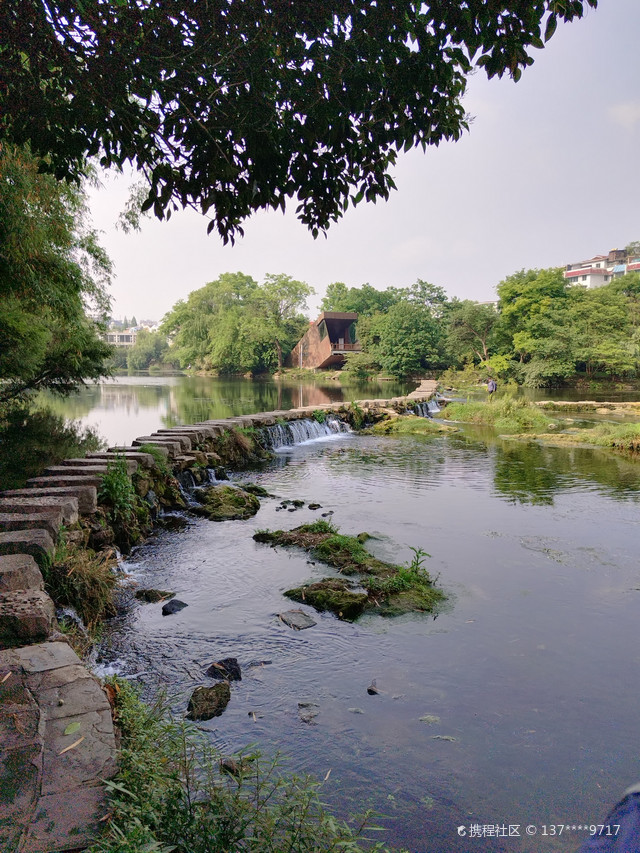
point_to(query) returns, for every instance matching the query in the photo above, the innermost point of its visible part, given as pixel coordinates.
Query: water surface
(531, 669)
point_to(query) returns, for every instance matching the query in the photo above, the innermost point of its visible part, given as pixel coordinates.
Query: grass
(506, 414)
(159, 459)
(623, 437)
(84, 580)
(173, 793)
(410, 425)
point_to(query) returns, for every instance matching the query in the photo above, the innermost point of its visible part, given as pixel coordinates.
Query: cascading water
(302, 431)
(427, 410)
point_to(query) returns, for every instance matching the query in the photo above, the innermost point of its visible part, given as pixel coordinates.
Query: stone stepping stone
(50, 521)
(57, 481)
(184, 439)
(85, 494)
(161, 448)
(38, 543)
(68, 506)
(173, 447)
(19, 571)
(26, 616)
(144, 459)
(91, 462)
(193, 433)
(297, 619)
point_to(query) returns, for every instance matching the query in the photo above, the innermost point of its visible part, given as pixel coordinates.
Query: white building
(601, 269)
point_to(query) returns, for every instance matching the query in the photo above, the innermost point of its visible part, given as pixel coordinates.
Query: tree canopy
(234, 107)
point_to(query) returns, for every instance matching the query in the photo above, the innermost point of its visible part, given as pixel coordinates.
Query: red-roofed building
(600, 269)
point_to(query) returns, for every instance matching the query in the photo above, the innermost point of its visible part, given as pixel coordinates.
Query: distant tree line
(541, 332)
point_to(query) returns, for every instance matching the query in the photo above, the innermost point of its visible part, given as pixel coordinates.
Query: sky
(547, 175)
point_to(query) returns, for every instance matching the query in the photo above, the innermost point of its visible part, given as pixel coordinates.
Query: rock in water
(297, 619)
(152, 596)
(173, 606)
(228, 668)
(225, 503)
(208, 702)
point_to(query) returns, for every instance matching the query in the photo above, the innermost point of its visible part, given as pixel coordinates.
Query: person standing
(492, 387)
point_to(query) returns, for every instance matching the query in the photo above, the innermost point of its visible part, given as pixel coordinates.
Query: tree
(470, 325)
(364, 300)
(404, 341)
(235, 325)
(234, 107)
(525, 294)
(149, 348)
(51, 271)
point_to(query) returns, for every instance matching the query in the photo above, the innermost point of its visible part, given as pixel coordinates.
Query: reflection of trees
(532, 473)
(201, 398)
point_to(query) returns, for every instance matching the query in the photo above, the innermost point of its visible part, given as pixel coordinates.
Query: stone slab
(193, 433)
(68, 691)
(93, 466)
(134, 450)
(68, 821)
(40, 658)
(19, 571)
(26, 616)
(144, 459)
(86, 495)
(61, 481)
(51, 521)
(38, 543)
(19, 782)
(95, 462)
(186, 441)
(68, 505)
(19, 712)
(93, 758)
(173, 447)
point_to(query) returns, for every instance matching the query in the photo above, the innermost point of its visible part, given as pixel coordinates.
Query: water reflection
(128, 406)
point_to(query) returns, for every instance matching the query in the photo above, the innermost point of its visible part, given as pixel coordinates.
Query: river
(526, 681)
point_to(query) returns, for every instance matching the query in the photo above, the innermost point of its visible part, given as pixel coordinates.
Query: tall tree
(52, 271)
(234, 107)
(364, 300)
(470, 325)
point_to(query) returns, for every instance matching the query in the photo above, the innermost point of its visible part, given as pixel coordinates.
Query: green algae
(410, 425)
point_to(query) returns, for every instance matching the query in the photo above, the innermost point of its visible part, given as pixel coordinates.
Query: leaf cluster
(232, 108)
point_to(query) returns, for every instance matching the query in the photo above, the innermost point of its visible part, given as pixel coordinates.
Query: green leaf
(72, 728)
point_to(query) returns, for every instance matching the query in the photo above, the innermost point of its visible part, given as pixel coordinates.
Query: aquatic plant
(176, 792)
(508, 414)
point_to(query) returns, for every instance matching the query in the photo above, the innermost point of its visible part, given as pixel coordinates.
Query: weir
(58, 743)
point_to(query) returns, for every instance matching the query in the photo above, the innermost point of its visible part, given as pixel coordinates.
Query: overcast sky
(547, 175)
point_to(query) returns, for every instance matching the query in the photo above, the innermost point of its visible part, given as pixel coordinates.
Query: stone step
(86, 495)
(186, 441)
(173, 447)
(60, 481)
(68, 506)
(19, 571)
(164, 450)
(193, 433)
(144, 459)
(50, 521)
(38, 543)
(26, 616)
(89, 466)
(97, 462)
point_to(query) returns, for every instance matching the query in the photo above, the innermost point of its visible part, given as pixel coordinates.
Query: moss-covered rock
(410, 425)
(208, 702)
(332, 594)
(390, 589)
(225, 503)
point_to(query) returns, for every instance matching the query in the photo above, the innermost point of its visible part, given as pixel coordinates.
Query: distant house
(600, 269)
(327, 341)
(126, 338)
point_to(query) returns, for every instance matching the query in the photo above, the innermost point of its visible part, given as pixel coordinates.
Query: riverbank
(63, 505)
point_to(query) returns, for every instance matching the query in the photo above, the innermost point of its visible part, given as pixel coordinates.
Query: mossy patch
(225, 503)
(332, 594)
(388, 589)
(410, 425)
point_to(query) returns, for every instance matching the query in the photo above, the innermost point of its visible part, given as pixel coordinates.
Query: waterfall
(426, 410)
(299, 432)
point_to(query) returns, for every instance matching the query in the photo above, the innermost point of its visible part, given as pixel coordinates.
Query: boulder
(297, 619)
(208, 702)
(152, 596)
(19, 571)
(333, 594)
(173, 606)
(227, 668)
(225, 503)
